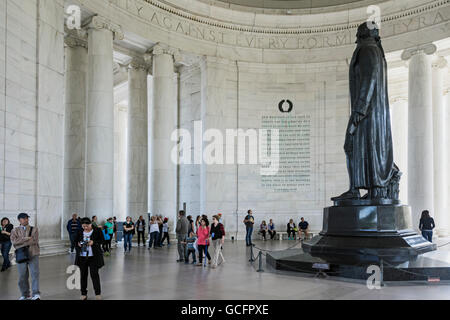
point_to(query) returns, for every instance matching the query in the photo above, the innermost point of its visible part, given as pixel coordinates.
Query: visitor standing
(106, 240)
(249, 221)
(203, 233)
(110, 230)
(426, 225)
(218, 239)
(128, 232)
(272, 231)
(191, 227)
(190, 242)
(140, 227)
(114, 221)
(182, 233)
(154, 231)
(89, 257)
(73, 226)
(197, 223)
(165, 231)
(94, 222)
(5, 242)
(263, 229)
(25, 239)
(160, 226)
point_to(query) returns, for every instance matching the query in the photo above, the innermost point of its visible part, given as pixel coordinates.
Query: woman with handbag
(25, 240)
(89, 256)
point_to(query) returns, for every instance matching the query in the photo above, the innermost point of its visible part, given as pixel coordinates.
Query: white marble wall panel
(100, 125)
(218, 182)
(50, 120)
(137, 142)
(190, 111)
(18, 76)
(75, 131)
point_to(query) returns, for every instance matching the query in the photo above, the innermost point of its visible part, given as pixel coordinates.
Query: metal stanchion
(252, 259)
(381, 273)
(260, 269)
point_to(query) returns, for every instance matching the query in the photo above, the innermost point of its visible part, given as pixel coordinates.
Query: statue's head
(368, 29)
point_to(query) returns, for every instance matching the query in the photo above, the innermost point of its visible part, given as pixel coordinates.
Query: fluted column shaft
(164, 121)
(137, 141)
(75, 126)
(100, 120)
(439, 147)
(420, 131)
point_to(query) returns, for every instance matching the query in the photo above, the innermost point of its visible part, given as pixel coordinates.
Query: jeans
(6, 247)
(428, 234)
(127, 241)
(153, 239)
(72, 237)
(248, 236)
(141, 234)
(203, 249)
(272, 234)
(24, 269)
(193, 255)
(181, 246)
(87, 266)
(165, 236)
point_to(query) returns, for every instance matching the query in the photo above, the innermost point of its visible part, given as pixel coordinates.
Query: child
(106, 238)
(191, 248)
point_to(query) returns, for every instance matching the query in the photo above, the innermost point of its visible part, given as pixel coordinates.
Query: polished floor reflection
(144, 274)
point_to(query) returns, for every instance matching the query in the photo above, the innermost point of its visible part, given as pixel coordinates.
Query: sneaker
(180, 260)
(24, 298)
(83, 298)
(99, 297)
(36, 297)
(194, 262)
(199, 264)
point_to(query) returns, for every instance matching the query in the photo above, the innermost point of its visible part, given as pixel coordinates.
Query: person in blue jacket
(73, 227)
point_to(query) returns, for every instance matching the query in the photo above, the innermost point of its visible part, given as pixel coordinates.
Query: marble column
(439, 147)
(100, 118)
(163, 193)
(399, 120)
(420, 131)
(137, 140)
(75, 125)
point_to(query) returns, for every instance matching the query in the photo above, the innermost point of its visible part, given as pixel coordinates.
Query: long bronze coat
(370, 147)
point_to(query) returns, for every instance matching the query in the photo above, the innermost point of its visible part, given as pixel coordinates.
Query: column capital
(429, 48)
(76, 38)
(439, 63)
(99, 22)
(139, 63)
(161, 48)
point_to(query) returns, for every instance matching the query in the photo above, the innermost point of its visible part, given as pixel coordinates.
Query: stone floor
(144, 274)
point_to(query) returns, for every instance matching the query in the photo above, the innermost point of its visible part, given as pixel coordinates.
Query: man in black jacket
(89, 256)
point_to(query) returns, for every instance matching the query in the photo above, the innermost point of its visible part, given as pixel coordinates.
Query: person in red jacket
(203, 240)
